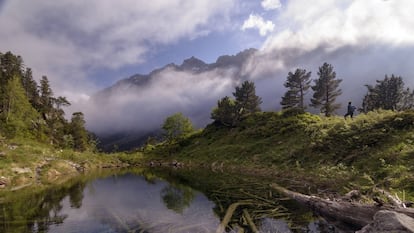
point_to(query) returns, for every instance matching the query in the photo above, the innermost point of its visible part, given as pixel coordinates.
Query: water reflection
(177, 198)
(181, 202)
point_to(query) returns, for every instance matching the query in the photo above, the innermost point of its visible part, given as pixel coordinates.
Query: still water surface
(159, 202)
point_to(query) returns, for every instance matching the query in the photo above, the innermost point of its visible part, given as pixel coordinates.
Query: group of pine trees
(230, 111)
(326, 89)
(30, 110)
(388, 94)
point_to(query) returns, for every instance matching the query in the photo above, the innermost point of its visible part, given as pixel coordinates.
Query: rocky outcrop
(386, 221)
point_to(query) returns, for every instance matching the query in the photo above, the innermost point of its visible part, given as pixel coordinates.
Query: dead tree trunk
(355, 214)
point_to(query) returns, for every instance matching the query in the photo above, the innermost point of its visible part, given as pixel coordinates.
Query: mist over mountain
(84, 46)
(128, 112)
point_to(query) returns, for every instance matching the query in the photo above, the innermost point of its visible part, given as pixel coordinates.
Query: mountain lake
(159, 201)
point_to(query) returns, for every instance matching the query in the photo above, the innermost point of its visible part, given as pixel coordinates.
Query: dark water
(158, 201)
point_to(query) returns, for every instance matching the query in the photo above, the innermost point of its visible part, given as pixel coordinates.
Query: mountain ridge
(192, 66)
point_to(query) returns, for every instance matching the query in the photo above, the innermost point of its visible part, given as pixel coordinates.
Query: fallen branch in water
(250, 221)
(227, 217)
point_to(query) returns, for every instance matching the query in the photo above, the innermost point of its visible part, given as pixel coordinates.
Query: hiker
(351, 110)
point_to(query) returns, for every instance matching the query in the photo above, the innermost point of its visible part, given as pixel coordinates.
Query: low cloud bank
(143, 108)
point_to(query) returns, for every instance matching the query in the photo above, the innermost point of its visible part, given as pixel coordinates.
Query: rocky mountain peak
(193, 64)
(235, 60)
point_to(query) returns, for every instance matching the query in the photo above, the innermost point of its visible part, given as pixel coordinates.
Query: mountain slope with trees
(32, 111)
(372, 150)
(38, 145)
(132, 135)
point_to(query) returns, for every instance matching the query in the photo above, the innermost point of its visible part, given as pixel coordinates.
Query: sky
(85, 46)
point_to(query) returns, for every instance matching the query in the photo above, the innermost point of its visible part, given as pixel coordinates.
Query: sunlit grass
(25, 162)
(371, 150)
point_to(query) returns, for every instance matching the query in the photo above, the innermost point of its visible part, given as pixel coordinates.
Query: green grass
(22, 161)
(374, 149)
(371, 150)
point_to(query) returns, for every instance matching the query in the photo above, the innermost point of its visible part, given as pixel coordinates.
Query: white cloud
(144, 109)
(343, 22)
(66, 39)
(364, 40)
(256, 21)
(271, 4)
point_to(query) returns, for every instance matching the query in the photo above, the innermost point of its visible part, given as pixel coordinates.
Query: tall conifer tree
(326, 89)
(46, 97)
(298, 84)
(19, 115)
(30, 87)
(230, 111)
(78, 131)
(247, 102)
(225, 112)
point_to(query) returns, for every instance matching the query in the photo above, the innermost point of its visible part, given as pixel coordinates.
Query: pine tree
(46, 97)
(388, 94)
(326, 90)
(52, 112)
(297, 83)
(230, 111)
(225, 112)
(29, 110)
(78, 131)
(247, 102)
(407, 101)
(10, 66)
(30, 87)
(19, 116)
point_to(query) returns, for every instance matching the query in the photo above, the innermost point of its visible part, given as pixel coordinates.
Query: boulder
(3, 182)
(53, 174)
(19, 170)
(12, 147)
(386, 221)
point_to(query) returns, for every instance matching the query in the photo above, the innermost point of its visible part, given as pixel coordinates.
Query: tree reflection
(251, 198)
(76, 195)
(35, 212)
(177, 198)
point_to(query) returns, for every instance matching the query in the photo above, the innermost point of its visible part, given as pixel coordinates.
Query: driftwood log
(356, 214)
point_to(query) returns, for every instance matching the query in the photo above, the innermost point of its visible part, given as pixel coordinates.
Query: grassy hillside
(29, 163)
(376, 149)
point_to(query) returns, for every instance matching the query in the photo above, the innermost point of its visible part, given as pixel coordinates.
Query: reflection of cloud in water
(274, 225)
(129, 203)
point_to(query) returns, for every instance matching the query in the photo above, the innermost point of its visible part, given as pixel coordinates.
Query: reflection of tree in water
(76, 195)
(177, 198)
(36, 212)
(149, 177)
(244, 203)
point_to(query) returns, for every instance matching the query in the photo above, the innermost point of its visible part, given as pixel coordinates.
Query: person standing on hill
(351, 110)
